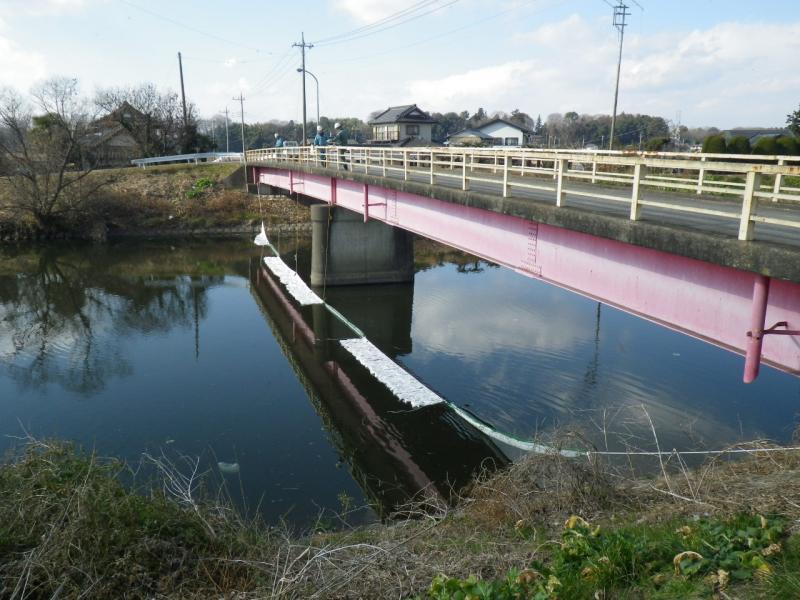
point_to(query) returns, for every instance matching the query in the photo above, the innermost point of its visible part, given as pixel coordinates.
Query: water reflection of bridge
(650, 235)
(395, 453)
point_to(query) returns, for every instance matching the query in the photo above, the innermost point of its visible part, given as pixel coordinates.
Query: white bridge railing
(751, 178)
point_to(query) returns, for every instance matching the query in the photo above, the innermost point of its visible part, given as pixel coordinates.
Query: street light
(300, 70)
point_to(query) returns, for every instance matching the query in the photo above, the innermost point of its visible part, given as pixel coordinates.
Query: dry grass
(66, 523)
(161, 199)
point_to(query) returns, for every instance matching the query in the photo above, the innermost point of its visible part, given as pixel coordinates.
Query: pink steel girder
(717, 304)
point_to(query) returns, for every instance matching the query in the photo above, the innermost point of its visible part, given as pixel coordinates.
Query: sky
(723, 63)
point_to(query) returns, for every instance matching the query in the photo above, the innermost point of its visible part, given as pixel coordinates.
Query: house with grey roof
(402, 126)
(469, 137)
(497, 132)
(756, 133)
(506, 133)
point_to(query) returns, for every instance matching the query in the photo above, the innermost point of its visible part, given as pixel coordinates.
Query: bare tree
(44, 151)
(154, 120)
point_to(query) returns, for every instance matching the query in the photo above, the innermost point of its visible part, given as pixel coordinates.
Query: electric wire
(379, 22)
(234, 61)
(436, 37)
(264, 89)
(187, 27)
(275, 73)
(390, 26)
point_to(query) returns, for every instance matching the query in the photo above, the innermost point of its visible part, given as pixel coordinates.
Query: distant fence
(189, 158)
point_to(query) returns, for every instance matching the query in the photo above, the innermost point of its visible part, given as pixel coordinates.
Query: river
(186, 349)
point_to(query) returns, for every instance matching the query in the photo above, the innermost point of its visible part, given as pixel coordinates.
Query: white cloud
(20, 68)
(38, 8)
(485, 86)
(367, 11)
(243, 84)
(730, 74)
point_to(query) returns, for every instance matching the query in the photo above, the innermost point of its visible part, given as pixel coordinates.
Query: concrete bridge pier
(347, 251)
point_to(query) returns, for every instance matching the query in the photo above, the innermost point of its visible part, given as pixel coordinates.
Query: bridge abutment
(347, 251)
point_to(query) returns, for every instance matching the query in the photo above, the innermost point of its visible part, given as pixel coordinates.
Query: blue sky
(705, 62)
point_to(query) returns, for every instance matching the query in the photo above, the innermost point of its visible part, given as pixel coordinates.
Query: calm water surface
(187, 348)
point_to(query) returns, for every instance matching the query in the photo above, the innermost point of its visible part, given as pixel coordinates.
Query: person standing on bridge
(278, 140)
(320, 140)
(340, 138)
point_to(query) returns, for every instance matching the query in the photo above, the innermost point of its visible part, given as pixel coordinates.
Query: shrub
(739, 144)
(715, 144)
(788, 145)
(656, 144)
(766, 145)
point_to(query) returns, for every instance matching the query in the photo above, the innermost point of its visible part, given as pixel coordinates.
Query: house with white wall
(497, 132)
(505, 133)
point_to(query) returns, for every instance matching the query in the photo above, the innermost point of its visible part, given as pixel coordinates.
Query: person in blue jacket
(278, 140)
(320, 140)
(340, 138)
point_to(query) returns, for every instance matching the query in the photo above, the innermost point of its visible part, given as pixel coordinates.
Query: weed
(81, 529)
(202, 184)
(662, 561)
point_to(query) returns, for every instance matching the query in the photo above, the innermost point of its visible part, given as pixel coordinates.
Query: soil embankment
(170, 200)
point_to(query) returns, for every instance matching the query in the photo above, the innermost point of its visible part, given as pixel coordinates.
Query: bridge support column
(347, 251)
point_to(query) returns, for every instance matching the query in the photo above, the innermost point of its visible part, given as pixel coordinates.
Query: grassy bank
(170, 198)
(546, 528)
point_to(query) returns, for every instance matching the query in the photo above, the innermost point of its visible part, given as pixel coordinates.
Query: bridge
(708, 245)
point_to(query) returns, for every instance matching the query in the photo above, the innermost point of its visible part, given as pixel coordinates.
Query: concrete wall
(501, 130)
(347, 251)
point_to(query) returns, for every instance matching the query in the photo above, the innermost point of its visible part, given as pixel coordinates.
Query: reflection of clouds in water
(472, 326)
(535, 363)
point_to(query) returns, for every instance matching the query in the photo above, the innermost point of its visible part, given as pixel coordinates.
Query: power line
(435, 37)
(272, 73)
(234, 60)
(384, 20)
(187, 27)
(277, 78)
(411, 18)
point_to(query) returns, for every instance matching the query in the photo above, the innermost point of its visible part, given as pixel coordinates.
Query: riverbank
(168, 200)
(545, 528)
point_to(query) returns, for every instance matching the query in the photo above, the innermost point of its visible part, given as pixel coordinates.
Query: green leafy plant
(703, 554)
(199, 187)
(517, 584)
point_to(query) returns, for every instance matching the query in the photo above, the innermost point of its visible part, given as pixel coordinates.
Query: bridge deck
(594, 201)
(745, 197)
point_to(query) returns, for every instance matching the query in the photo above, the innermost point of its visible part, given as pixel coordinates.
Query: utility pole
(621, 14)
(244, 146)
(227, 136)
(302, 45)
(183, 95)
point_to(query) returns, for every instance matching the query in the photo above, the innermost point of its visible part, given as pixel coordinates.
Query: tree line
(787, 145)
(739, 144)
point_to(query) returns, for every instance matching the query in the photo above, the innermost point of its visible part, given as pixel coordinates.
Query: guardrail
(189, 158)
(751, 178)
